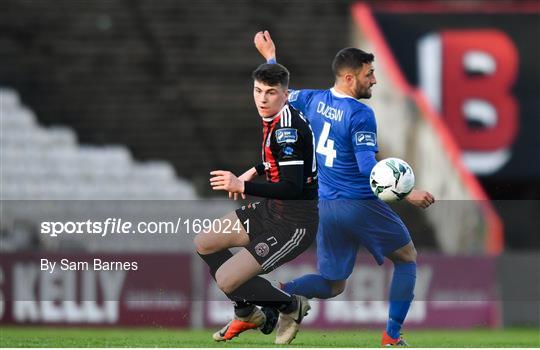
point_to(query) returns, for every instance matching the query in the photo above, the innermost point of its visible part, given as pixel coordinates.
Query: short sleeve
(364, 131)
(300, 99)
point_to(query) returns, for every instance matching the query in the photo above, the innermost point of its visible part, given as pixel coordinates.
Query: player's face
(364, 80)
(269, 99)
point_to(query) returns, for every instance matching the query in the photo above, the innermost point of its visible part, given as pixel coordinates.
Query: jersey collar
(340, 95)
(278, 114)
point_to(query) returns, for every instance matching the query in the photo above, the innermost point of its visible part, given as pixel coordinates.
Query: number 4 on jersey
(325, 146)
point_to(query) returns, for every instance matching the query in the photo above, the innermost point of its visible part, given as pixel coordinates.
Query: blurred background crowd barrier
(121, 108)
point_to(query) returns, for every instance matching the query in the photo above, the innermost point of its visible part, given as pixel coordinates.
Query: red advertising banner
(101, 289)
(82, 290)
(451, 292)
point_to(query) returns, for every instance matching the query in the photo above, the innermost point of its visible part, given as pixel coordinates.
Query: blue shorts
(347, 224)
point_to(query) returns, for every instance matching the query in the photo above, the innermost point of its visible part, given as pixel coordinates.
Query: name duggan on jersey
(96, 265)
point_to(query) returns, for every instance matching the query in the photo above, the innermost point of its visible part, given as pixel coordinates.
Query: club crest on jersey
(262, 249)
(365, 138)
(286, 135)
(293, 95)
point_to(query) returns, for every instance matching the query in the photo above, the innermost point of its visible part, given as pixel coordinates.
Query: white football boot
(289, 324)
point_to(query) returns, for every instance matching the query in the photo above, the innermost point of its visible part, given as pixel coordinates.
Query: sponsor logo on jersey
(365, 138)
(293, 95)
(262, 249)
(286, 135)
(288, 151)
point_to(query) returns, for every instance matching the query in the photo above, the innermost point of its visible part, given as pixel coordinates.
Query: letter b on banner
(468, 75)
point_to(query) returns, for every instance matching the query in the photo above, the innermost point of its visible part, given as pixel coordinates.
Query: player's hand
(265, 45)
(226, 181)
(247, 176)
(421, 199)
(234, 195)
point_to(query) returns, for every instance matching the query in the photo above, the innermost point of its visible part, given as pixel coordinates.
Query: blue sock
(310, 286)
(401, 296)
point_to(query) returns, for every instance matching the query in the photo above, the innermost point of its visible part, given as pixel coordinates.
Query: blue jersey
(343, 126)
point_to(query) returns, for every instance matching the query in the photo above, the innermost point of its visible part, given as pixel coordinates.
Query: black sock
(215, 260)
(257, 290)
(243, 308)
(261, 292)
(293, 305)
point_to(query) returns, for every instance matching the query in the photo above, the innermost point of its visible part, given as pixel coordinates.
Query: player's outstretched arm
(421, 199)
(265, 45)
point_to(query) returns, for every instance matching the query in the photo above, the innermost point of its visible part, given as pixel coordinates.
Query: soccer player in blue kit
(350, 215)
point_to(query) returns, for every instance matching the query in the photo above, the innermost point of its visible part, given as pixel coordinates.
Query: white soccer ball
(391, 179)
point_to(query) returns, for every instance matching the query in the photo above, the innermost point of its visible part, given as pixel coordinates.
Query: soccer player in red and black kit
(281, 226)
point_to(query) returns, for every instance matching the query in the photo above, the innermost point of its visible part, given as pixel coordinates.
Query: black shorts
(279, 230)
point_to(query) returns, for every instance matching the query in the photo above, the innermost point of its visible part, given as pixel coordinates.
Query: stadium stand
(47, 174)
(48, 163)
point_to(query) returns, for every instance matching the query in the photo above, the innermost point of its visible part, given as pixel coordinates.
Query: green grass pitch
(145, 337)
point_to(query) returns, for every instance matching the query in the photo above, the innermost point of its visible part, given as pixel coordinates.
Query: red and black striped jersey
(288, 143)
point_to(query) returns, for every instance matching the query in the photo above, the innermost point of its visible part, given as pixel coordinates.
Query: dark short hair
(352, 58)
(272, 74)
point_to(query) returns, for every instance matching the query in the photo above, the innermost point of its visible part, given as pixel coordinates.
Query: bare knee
(413, 255)
(410, 255)
(337, 287)
(406, 254)
(205, 244)
(225, 282)
(211, 242)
